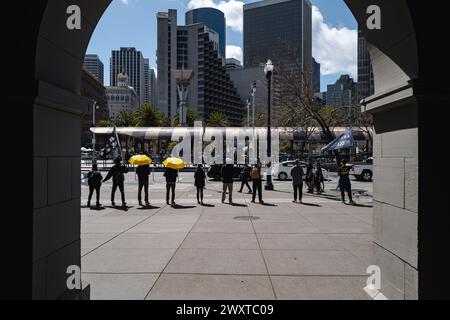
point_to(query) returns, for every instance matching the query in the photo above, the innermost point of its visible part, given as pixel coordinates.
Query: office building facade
(316, 76)
(343, 93)
(233, 64)
(95, 67)
(194, 47)
(286, 41)
(121, 97)
(131, 62)
(366, 85)
(213, 19)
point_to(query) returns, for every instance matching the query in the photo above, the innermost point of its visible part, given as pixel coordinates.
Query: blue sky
(132, 23)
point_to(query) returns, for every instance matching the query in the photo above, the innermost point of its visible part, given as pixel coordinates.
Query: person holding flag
(117, 173)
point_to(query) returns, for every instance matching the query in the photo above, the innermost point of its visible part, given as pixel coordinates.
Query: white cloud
(233, 10)
(125, 1)
(336, 49)
(235, 52)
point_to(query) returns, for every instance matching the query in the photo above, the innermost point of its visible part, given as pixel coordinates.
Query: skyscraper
(194, 47)
(316, 75)
(366, 86)
(342, 93)
(147, 89)
(213, 19)
(280, 30)
(95, 67)
(131, 62)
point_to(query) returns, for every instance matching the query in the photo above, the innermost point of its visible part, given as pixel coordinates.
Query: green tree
(149, 116)
(217, 119)
(104, 124)
(125, 119)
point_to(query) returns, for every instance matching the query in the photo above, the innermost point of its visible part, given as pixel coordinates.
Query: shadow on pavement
(125, 209)
(310, 204)
(148, 208)
(265, 204)
(180, 207)
(360, 205)
(238, 205)
(208, 205)
(97, 208)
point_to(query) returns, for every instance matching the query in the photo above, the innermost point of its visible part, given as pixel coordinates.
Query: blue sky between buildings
(132, 23)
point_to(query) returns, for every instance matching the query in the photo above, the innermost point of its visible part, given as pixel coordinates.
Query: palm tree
(125, 119)
(217, 119)
(104, 124)
(149, 116)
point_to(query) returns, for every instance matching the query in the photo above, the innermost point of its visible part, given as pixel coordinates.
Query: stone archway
(410, 236)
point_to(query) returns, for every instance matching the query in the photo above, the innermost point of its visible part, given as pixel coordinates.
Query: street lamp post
(183, 78)
(95, 107)
(268, 70)
(255, 143)
(248, 113)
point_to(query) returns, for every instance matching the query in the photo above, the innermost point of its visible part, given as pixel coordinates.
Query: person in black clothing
(245, 176)
(318, 178)
(143, 173)
(344, 182)
(200, 178)
(228, 180)
(117, 173)
(310, 176)
(171, 181)
(95, 182)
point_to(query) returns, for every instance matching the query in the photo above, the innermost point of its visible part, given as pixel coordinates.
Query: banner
(345, 141)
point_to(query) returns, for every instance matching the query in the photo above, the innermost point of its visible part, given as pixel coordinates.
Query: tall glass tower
(213, 19)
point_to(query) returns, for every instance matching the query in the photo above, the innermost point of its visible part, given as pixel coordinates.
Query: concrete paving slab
(169, 240)
(283, 262)
(217, 261)
(212, 287)
(120, 286)
(297, 242)
(105, 260)
(221, 241)
(320, 288)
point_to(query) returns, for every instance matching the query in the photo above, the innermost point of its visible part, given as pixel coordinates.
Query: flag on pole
(345, 141)
(112, 145)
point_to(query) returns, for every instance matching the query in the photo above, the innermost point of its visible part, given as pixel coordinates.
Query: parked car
(283, 170)
(215, 172)
(364, 171)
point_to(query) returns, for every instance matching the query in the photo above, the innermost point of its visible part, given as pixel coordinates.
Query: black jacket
(228, 173)
(245, 174)
(171, 175)
(143, 172)
(117, 173)
(200, 178)
(94, 179)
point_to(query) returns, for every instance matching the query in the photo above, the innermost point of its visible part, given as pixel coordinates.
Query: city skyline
(334, 28)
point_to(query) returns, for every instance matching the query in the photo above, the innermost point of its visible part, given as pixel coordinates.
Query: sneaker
(88, 204)
(124, 204)
(295, 201)
(253, 201)
(147, 204)
(113, 204)
(240, 191)
(140, 203)
(98, 205)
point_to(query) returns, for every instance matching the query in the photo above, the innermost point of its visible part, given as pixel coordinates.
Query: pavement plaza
(319, 250)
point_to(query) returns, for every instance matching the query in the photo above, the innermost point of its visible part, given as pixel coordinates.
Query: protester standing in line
(318, 177)
(171, 176)
(227, 180)
(256, 175)
(245, 176)
(95, 182)
(310, 176)
(117, 173)
(143, 173)
(200, 182)
(344, 182)
(297, 174)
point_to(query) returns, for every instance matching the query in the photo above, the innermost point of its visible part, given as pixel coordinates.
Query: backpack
(255, 174)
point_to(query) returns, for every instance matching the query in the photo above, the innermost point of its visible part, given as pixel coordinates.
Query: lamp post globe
(268, 70)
